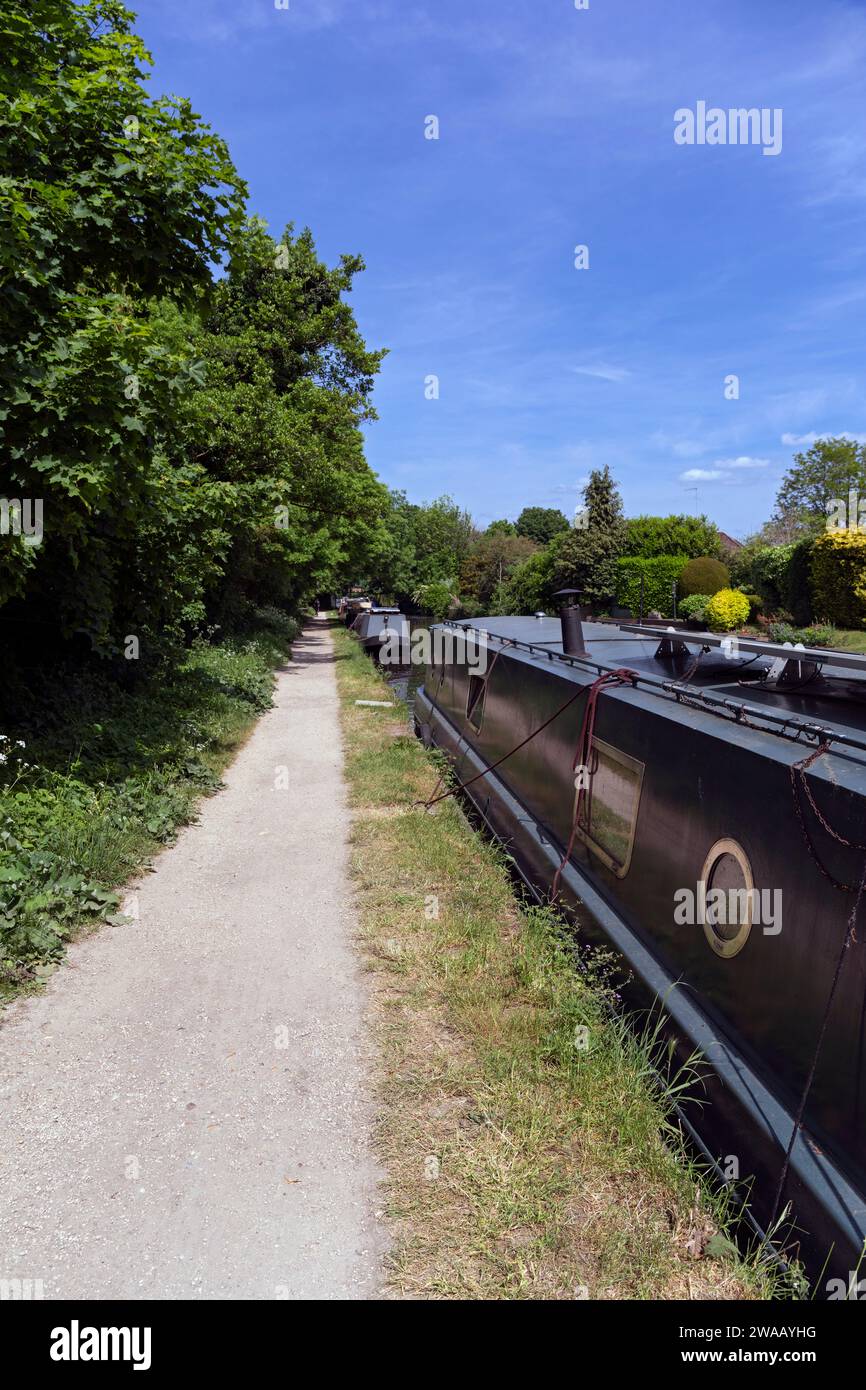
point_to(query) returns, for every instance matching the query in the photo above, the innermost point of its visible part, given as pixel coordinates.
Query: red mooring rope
(583, 755)
(619, 677)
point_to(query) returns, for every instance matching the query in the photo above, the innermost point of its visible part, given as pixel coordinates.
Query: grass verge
(528, 1145)
(849, 640)
(97, 777)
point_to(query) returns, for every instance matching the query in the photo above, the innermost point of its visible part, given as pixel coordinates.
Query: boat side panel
(700, 787)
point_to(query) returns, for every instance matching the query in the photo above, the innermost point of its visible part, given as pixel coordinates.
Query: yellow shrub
(727, 609)
(839, 577)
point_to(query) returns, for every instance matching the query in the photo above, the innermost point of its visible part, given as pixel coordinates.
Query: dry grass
(522, 1163)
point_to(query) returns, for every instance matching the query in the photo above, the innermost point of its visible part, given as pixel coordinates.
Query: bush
(838, 574)
(703, 576)
(818, 635)
(756, 604)
(692, 605)
(781, 575)
(797, 581)
(727, 609)
(469, 608)
(659, 575)
(435, 598)
(276, 620)
(766, 573)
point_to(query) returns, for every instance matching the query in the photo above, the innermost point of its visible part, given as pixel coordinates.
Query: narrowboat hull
(677, 782)
(373, 630)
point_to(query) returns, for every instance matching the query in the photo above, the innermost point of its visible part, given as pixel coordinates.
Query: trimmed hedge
(659, 576)
(654, 537)
(703, 576)
(838, 572)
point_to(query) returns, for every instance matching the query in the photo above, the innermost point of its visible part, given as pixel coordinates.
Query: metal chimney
(570, 617)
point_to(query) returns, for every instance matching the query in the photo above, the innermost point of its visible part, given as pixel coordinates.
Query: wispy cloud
(202, 20)
(723, 470)
(603, 372)
(840, 299)
(812, 436)
(680, 448)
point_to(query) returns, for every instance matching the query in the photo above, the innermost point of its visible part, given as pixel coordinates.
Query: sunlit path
(183, 1113)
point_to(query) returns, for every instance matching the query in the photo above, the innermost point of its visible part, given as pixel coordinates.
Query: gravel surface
(184, 1113)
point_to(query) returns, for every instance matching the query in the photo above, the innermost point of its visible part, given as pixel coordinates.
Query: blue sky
(556, 129)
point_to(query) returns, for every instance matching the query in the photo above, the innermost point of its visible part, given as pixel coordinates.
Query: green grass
(558, 1172)
(850, 641)
(106, 776)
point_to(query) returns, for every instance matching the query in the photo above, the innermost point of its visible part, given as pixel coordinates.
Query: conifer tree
(588, 555)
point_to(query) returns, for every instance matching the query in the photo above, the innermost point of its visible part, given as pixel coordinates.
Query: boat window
(726, 891)
(475, 701)
(608, 813)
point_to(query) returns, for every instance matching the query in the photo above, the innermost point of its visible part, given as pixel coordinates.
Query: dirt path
(183, 1114)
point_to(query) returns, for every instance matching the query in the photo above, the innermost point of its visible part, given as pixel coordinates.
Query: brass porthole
(727, 868)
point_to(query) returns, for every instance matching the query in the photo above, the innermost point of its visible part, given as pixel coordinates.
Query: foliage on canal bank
(97, 777)
(177, 445)
(521, 1163)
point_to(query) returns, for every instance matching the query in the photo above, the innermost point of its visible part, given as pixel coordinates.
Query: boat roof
(829, 700)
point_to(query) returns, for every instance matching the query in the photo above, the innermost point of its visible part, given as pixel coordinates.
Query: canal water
(405, 680)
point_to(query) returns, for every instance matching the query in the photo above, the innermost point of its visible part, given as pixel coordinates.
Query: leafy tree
(588, 556)
(501, 528)
(490, 561)
(822, 474)
(530, 585)
(541, 524)
(277, 424)
(392, 567)
(110, 201)
(782, 528)
(444, 533)
(436, 598)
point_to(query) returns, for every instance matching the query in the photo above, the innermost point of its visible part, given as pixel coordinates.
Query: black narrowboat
(376, 627)
(701, 807)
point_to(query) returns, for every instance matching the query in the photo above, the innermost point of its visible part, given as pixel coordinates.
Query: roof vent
(570, 617)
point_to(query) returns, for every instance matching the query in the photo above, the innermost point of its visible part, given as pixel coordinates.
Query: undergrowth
(97, 774)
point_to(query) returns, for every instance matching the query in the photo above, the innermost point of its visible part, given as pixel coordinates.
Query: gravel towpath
(185, 1111)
